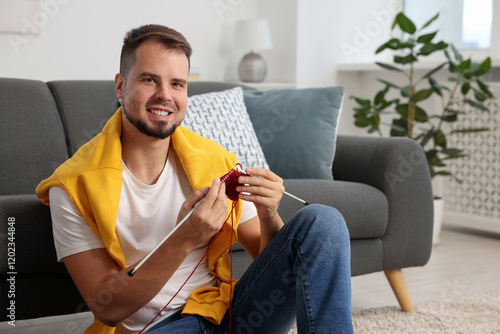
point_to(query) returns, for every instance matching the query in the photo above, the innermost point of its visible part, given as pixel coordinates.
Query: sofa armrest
(398, 168)
(34, 244)
(43, 287)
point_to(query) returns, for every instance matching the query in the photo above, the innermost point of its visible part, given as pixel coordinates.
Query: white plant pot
(438, 220)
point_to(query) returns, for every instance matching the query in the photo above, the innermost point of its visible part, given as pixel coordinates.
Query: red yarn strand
(231, 181)
(185, 282)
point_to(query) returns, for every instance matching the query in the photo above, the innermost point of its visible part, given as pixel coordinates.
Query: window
(467, 23)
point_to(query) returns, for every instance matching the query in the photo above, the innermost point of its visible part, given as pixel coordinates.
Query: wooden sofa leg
(398, 285)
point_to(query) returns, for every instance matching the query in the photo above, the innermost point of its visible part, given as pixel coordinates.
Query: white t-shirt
(146, 214)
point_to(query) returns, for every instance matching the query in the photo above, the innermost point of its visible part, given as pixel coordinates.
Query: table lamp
(253, 35)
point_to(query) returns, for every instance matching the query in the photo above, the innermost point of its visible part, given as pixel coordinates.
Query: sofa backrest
(84, 108)
(32, 140)
(202, 87)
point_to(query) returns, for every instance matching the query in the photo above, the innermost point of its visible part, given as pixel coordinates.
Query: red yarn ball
(230, 179)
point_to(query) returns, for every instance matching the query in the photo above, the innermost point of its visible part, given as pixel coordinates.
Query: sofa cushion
(31, 135)
(223, 118)
(365, 208)
(297, 129)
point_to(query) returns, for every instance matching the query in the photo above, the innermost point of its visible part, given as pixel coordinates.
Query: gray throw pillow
(297, 129)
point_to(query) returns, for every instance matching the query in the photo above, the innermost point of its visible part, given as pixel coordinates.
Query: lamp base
(252, 68)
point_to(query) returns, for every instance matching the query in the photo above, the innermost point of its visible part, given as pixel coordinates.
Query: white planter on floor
(438, 219)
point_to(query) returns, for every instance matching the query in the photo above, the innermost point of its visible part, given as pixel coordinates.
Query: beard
(157, 130)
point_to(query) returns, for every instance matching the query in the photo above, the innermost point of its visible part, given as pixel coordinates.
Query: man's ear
(119, 85)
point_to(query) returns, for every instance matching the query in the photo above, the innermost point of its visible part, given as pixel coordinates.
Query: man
(122, 192)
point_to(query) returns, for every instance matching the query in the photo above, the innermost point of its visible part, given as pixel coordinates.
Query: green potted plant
(464, 89)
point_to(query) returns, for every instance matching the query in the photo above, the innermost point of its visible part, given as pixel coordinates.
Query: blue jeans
(303, 276)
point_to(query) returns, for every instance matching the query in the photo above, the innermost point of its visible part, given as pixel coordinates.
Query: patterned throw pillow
(223, 118)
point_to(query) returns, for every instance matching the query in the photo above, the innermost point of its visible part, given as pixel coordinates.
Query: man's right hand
(208, 217)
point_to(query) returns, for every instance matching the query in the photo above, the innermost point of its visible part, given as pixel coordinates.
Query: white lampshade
(253, 35)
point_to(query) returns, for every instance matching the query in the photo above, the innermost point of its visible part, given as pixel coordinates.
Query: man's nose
(163, 94)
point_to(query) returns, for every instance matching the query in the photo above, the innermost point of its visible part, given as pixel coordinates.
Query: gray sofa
(385, 198)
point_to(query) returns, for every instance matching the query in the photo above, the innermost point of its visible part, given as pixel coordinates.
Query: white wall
(282, 59)
(332, 32)
(81, 39)
(338, 32)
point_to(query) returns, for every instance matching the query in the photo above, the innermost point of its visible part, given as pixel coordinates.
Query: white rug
(479, 314)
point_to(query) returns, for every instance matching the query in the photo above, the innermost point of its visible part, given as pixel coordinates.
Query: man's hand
(265, 189)
(208, 217)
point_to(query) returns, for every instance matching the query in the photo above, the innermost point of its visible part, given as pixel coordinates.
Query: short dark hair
(169, 38)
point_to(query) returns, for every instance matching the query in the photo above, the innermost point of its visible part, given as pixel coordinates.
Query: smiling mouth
(159, 112)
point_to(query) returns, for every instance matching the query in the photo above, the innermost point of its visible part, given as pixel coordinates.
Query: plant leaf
(465, 88)
(408, 59)
(450, 118)
(420, 115)
(361, 102)
(405, 24)
(429, 48)
(439, 138)
(433, 158)
(452, 152)
(465, 65)
(405, 91)
(484, 87)
(457, 54)
(455, 79)
(421, 95)
(398, 127)
(485, 65)
(444, 173)
(479, 95)
(470, 130)
(402, 110)
(384, 105)
(435, 86)
(476, 105)
(431, 72)
(389, 83)
(428, 135)
(427, 38)
(389, 44)
(362, 122)
(380, 97)
(430, 21)
(472, 70)
(388, 67)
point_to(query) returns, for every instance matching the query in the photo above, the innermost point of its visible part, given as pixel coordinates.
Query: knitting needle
(298, 199)
(132, 272)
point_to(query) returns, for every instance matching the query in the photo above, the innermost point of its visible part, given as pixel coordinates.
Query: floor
(463, 263)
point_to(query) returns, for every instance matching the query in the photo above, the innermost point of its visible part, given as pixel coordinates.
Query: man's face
(154, 96)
